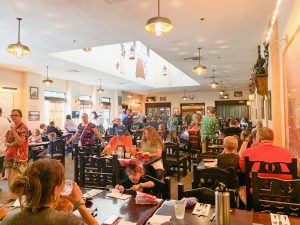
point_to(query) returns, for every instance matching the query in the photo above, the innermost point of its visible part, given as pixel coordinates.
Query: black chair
(57, 150)
(173, 159)
(161, 189)
(206, 155)
(98, 172)
(212, 145)
(195, 146)
(276, 195)
(270, 168)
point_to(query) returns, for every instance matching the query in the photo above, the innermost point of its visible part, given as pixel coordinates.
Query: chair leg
(185, 167)
(178, 172)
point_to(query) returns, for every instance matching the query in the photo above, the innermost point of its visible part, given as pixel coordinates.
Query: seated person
(36, 137)
(122, 138)
(136, 127)
(233, 129)
(116, 123)
(43, 131)
(135, 181)
(52, 128)
(229, 158)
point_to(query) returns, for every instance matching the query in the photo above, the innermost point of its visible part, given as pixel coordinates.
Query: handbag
(79, 142)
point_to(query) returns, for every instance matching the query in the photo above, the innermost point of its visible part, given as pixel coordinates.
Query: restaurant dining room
(149, 112)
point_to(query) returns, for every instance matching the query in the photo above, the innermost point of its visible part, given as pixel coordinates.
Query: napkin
(201, 209)
(279, 219)
(124, 222)
(158, 219)
(116, 194)
(210, 164)
(92, 193)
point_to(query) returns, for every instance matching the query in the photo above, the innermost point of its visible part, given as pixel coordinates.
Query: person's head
(193, 124)
(41, 183)
(259, 124)
(151, 135)
(233, 123)
(161, 127)
(245, 134)
(0, 111)
(135, 119)
(134, 173)
(94, 115)
(122, 130)
(43, 126)
(52, 136)
(16, 116)
(129, 111)
(85, 118)
(230, 143)
(36, 132)
(264, 134)
(212, 110)
(68, 117)
(117, 121)
(51, 124)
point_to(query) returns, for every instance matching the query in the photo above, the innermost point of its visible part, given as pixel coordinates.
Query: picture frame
(75, 114)
(33, 115)
(238, 94)
(34, 93)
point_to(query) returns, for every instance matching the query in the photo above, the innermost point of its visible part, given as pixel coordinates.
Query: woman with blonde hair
(152, 143)
(42, 185)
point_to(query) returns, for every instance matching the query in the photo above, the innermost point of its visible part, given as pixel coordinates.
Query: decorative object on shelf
(222, 90)
(238, 94)
(132, 52)
(34, 93)
(165, 71)
(159, 25)
(199, 69)
(100, 90)
(48, 82)
(19, 50)
(260, 72)
(184, 98)
(213, 84)
(34, 115)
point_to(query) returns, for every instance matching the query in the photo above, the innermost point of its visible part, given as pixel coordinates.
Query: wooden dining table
(126, 209)
(237, 216)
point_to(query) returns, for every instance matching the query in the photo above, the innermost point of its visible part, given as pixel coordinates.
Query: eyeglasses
(14, 115)
(83, 117)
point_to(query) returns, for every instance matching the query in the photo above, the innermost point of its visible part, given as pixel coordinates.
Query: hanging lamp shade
(213, 84)
(132, 53)
(184, 98)
(159, 25)
(47, 81)
(18, 49)
(199, 69)
(100, 90)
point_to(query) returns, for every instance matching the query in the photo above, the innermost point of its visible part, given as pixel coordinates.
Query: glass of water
(179, 207)
(68, 187)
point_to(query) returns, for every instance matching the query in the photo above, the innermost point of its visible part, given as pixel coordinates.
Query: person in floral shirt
(209, 127)
(17, 146)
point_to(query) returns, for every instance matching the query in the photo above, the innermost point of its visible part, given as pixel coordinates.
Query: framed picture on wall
(238, 94)
(34, 115)
(75, 114)
(34, 93)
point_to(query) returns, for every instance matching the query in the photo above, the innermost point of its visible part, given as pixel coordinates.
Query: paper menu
(158, 219)
(201, 209)
(278, 219)
(116, 194)
(92, 193)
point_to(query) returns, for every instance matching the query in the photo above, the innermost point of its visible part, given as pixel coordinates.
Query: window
(54, 107)
(54, 94)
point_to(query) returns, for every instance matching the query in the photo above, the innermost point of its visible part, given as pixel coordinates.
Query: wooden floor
(187, 181)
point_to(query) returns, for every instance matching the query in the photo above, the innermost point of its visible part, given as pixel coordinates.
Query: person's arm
(95, 130)
(120, 188)
(72, 138)
(19, 139)
(148, 184)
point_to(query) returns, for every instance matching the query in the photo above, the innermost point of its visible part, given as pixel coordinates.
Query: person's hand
(75, 195)
(3, 211)
(135, 187)
(13, 128)
(120, 188)
(104, 144)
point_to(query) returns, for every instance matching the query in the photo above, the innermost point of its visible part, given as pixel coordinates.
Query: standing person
(52, 128)
(137, 127)
(42, 184)
(233, 129)
(98, 121)
(123, 115)
(141, 116)
(128, 119)
(85, 132)
(4, 127)
(172, 127)
(70, 125)
(17, 147)
(209, 127)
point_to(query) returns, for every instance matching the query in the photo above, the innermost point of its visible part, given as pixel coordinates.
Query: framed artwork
(75, 114)
(269, 105)
(238, 94)
(34, 115)
(34, 93)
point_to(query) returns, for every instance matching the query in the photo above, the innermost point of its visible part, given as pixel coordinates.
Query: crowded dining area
(149, 112)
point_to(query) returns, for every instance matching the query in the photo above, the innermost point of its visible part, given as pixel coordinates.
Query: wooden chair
(98, 172)
(57, 150)
(206, 155)
(173, 159)
(161, 189)
(273, 169)
(210, 143)
(195, 146)
(276, 195)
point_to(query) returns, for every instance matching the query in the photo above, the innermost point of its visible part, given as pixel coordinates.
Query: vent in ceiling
(113, 1)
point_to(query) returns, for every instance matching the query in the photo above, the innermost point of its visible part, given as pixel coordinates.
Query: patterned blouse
(19, 153)
(209, 126)
(87, 137)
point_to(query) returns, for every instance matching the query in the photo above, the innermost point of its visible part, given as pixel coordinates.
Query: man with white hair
(4, 127)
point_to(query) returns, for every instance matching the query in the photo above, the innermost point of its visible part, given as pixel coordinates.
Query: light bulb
(18, 52)
(158, 29)
(47, 83)
(213, 85)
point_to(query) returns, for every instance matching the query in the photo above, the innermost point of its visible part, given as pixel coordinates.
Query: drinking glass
(68, 187)
(146, 156)
(133, 150)
(179, 207)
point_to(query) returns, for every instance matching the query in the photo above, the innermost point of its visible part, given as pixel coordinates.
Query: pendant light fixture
(184, 98)
(159, 25)
(100, 90)
(222, 91)
(199, 69)
(132, 52)
(165, 71)
(18, 49)
(130, 95)
(48, 82)
(213, 84)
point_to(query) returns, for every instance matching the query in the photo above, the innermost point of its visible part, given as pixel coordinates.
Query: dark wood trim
(160, 104)
(230, 102)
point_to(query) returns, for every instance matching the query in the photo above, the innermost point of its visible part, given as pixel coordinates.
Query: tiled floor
(187, 181)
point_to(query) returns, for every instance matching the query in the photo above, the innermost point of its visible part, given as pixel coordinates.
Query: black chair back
(276, 195)
(161, 189)
(57, 150)
(270, 168)
(194, 140)
(206, 155)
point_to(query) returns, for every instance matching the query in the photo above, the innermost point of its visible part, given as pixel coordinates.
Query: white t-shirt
(4, 127)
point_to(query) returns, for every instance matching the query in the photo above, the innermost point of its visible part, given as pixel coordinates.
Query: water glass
(68, 187)
(179, 207)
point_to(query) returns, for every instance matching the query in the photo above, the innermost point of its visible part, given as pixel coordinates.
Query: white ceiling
(232, 29)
